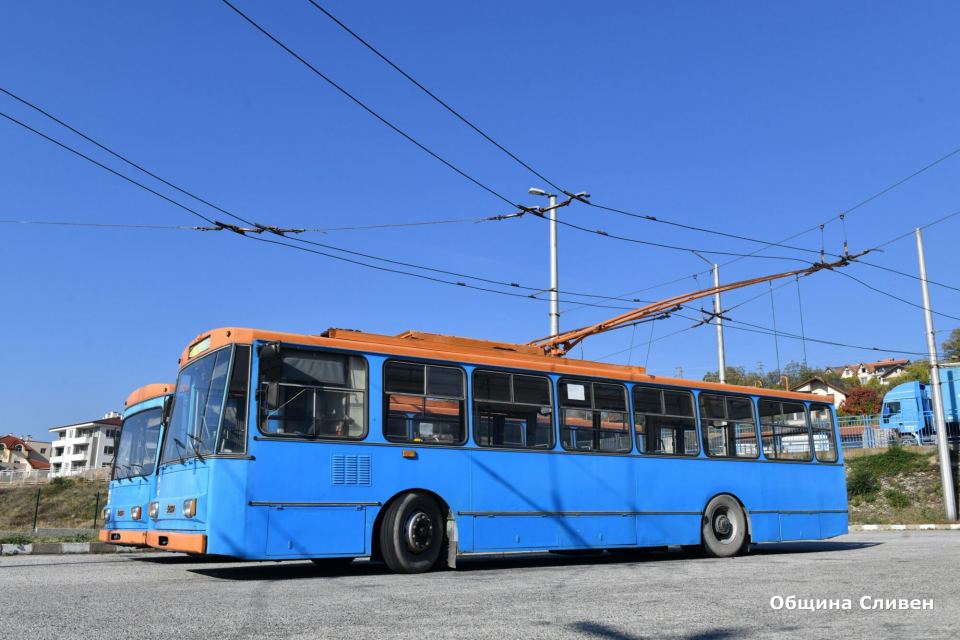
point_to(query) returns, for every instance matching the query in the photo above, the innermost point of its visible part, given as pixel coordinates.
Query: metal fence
(867, 432)
(43, 476)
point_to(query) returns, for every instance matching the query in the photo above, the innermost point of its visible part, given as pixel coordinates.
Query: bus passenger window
(318, 394)
(424, 403)
(233, 430)
(664, 421)
(593, 417)
(783, 427)
(729, 430)
(512, 410)
(824, 441)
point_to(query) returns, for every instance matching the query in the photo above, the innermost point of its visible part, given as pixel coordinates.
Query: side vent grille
(350, 470)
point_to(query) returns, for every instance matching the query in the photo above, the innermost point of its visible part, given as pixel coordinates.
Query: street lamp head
(537, 192)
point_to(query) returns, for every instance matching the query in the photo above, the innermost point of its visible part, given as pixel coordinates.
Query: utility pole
(716, 311)
(554, 264)
(946, 471)
(680, 372)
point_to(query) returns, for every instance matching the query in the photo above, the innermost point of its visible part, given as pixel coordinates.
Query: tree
(951, 347)
(918, 370)
(861, 401)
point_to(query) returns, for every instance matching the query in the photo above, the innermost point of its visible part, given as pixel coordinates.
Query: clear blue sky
(760, 119)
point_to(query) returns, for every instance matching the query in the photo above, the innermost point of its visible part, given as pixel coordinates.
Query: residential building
(86, 445)
(23, 453)
(820, 387)
(884, 371)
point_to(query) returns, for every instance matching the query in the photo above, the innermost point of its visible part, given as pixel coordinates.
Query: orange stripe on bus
(148, 392)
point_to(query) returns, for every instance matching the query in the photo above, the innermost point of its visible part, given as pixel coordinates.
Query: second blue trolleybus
(416, 448)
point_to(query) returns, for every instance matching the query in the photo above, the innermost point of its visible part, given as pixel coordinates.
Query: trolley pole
(717, 309)
(554, 271)
(946, 471)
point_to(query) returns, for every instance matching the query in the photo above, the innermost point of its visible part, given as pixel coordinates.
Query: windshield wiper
(180, 448)
(195, 440)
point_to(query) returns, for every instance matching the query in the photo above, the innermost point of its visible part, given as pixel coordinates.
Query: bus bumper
(127, 538)
(172, 541)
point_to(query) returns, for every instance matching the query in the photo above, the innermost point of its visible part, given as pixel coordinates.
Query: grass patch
(862, 482)
(16, 539)
(65, 505)
(897, 499)
(892, 462)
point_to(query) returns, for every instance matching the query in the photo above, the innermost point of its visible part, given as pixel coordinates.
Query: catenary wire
(366, 108)
(432, 95)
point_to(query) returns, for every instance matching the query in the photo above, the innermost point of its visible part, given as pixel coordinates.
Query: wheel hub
(418, 532)
(722, 525)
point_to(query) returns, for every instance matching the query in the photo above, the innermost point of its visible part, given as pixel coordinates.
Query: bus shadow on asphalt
(247, 571)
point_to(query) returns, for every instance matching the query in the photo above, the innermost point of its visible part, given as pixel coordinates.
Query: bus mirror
(272, 396)
(167, 410)
(270, 361)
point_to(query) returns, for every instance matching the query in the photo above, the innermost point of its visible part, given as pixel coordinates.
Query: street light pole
(946, 470)
(716, 310)
(554, 271)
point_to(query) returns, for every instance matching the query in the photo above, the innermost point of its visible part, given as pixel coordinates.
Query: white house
(884, 371)
(85, 445)
(820, 387)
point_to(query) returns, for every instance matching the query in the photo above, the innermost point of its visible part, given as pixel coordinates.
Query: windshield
(196, 407)
(139, 438)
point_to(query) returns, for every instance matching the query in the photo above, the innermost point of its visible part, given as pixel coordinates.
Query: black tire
(411, 534)
(331, 564)
(724, 528)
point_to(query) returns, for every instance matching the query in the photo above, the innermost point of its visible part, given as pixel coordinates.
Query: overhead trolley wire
(432, 95)
(325, 246)
(368, 109)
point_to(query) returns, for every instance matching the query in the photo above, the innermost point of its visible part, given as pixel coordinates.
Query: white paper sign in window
(576, 392)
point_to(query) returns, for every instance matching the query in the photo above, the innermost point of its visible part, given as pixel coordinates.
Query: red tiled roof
(38, 464)
(11, 441)
(872, 366)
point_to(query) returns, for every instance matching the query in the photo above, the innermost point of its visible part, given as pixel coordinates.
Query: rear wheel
(411, 534)
(724, 529)
(329, 564)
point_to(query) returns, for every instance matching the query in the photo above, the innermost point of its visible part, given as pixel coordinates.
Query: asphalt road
(540, 596)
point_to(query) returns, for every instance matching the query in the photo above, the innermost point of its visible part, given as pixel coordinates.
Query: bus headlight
(135, 513)
(190, 508)
(154, 510)
(106, 514)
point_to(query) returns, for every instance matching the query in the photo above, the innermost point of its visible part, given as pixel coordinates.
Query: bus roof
(434, 346)
(148, 392)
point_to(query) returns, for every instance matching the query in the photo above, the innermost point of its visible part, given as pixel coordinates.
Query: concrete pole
(946, 471)
(717, 309)
(554, 271)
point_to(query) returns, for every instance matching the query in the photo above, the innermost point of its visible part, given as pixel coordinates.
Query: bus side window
(729, 429)
(424, 403)
(824, 440)
(233, 432)
(665, 422)
(512, 410)
(783, 430)
(593, 417)
(318, 394)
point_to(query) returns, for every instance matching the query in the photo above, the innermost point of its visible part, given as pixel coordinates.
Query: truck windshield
(196, 408)
(139, 438)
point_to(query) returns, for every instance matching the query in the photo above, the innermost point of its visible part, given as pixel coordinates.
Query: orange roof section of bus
(414, 344)
(148, 392)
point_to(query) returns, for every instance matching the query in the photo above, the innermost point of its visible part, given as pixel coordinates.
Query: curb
(65, 548)
(904, 527)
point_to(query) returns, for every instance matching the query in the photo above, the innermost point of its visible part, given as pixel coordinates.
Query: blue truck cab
(133, 479)
(907, 407)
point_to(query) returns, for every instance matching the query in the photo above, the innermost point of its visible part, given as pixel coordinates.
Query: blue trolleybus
(417, 448)
(133, 481)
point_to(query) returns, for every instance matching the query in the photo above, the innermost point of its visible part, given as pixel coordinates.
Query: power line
(368, 109)
(429, 93)
(890, 295)
(904, 273)
(300, 240)
(96, 224)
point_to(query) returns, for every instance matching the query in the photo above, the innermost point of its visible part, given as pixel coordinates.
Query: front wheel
(411, 534)
(724, 529)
